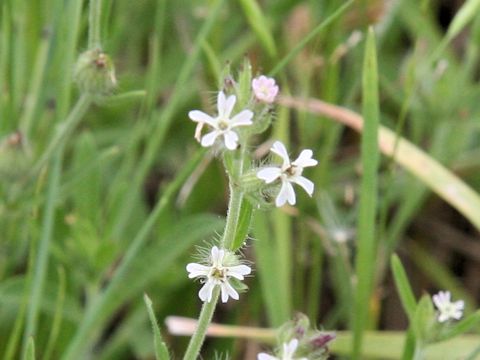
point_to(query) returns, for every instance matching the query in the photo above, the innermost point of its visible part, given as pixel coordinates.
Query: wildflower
(223, 266)
(287, 353)
(288, 173)
(265, 89)
(222, 124)
(447, 309)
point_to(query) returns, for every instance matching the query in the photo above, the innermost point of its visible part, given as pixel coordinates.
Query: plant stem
(64, 129)
(94, 17)
(233, 214)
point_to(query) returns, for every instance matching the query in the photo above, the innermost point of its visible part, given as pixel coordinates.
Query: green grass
(105, 200)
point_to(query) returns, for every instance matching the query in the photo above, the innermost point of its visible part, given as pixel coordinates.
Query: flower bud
(94, 73)
(14, 157)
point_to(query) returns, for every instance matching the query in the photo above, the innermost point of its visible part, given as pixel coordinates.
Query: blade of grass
(322, 26)
(366, 246)
(259, 24)
(161, 351)
(403, 286)
(41, 261)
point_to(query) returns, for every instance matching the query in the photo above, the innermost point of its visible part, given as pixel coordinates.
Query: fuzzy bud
(95, 73)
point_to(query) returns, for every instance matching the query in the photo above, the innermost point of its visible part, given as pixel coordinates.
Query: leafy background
(118, 187)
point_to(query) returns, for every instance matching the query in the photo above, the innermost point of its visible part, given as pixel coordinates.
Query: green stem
(204, 320)
(94, 17)
(233, 214)
(64, 130)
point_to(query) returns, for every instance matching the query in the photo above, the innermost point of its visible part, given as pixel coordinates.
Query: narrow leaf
(403, 286)
(161, 351)
(243, 226)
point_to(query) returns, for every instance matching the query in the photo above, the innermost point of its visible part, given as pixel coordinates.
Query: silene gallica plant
(244, 109)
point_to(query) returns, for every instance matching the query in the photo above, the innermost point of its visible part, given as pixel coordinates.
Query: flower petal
(196, 270)
(243, 118)
(228, 290)
(286, 194)
(209, 139)
(217, 256)
(306, 184)
(231, 139)
(221, 103)
(305, 159)
(269, 174)
(290, 348)
(201, 117)
(239, 271)
(205, 293)
(279, 149)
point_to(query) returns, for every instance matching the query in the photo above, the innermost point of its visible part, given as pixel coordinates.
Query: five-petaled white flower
(222, 124)
(447, 309)
(289, 172)
(287, 353)
(265, 89)
(218, 273)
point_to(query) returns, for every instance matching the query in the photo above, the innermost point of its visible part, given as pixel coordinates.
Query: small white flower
(287, 353)
(218, 273)
(265, 89)
(288, 173)
(222, 124)
(447, 309)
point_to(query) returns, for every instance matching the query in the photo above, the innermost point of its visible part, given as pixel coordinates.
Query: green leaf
(423, 319)
(161, 351)
(466, 13)
(366, 252)
(243, 224)
(403, 286)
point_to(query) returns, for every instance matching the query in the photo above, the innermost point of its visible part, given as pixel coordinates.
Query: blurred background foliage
(118, 162)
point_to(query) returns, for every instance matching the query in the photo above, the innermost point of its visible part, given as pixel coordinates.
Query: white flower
(287, 353)
(288, 173)
(265, 89)
(218, 274)
(447, 309)
(222, 124)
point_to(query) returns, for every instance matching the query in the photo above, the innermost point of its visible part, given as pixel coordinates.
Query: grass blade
(161, 351)
(403, 287)
(365, 260)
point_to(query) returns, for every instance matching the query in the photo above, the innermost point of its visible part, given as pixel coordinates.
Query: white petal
(230, 103)
(460, 304)
(269, 174)
(442, 317)
(196, 270)
(243, 118)
(231, 139)
(286, 194)
(205, 293)
(228, 290)
(217, 256)
(279, 149)
(306, 184)
(239, 271)
(209, 139)
(305, 159)
(221, 103)
(201, 117)
(290, 348)
(263, 356)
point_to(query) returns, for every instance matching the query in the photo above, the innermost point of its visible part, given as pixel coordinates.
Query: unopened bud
(94, 73)
(322, 340)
